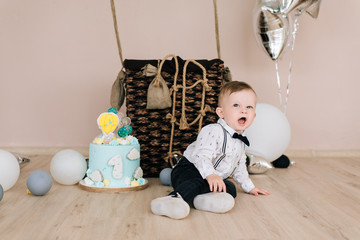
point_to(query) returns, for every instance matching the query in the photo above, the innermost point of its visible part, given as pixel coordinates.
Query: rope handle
(203, 109)
(183, 124)
(217, 35)
(113, 10)
(116, 31)
(197, 64)
(157, 81)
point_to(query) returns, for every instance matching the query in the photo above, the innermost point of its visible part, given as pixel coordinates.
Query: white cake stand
(112, 190)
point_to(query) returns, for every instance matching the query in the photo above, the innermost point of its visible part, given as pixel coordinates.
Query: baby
(201, 175)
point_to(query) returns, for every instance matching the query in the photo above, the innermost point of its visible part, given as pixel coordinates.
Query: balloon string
(296, 25)
(278, 81)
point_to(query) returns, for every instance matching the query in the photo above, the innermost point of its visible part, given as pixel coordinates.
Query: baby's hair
(231, 87)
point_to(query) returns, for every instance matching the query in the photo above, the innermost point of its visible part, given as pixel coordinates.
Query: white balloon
(9, 170)
(68, 167)
(269, 134)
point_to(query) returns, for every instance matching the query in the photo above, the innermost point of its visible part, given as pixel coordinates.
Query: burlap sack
(158, 95)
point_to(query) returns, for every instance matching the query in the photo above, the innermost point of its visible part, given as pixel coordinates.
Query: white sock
(171, 206)
(219, 202)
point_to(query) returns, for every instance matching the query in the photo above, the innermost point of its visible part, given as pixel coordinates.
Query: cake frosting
(114, 160)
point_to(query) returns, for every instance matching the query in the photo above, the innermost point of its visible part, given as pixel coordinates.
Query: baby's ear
(220, 112)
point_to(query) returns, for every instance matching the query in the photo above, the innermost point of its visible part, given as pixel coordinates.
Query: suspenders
(223, 153)
(222, 149)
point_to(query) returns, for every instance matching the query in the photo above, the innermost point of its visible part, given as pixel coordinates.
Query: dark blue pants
(187, 181)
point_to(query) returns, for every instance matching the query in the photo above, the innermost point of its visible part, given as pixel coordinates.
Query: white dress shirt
(207, 154)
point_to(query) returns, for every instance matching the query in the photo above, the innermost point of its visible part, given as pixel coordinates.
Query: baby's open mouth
(242, 120)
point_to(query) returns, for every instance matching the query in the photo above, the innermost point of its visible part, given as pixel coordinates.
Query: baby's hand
(216, 183)
(256, 191)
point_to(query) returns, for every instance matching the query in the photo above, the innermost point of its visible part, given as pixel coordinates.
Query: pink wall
(58, 60)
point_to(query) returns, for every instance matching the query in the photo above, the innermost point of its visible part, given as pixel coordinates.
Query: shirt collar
(226, 127)
(229, 129)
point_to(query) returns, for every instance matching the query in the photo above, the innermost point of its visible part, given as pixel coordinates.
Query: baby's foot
(219, 202)
(171, 206)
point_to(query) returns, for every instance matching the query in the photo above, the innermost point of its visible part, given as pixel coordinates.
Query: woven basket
(152, 127)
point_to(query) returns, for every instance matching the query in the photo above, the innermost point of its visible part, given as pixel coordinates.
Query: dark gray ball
(282, 162)
(165, 176)
(1, 192)
(39, 182)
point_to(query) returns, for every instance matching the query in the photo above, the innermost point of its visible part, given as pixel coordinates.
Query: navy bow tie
(242, 138)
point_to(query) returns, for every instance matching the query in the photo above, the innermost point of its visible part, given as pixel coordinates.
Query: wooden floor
(315, 199)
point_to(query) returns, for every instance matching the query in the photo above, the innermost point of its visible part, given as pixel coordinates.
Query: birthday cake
(114, 160)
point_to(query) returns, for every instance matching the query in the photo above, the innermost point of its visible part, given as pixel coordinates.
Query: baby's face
(238, 109)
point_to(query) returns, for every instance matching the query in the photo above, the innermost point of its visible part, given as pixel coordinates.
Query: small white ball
(9, 170)
(68, 167)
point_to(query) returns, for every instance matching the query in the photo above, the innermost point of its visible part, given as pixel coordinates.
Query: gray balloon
(39, 182)
(1, 192)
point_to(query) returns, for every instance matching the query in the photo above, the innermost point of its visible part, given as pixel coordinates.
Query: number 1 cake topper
(108, 122)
